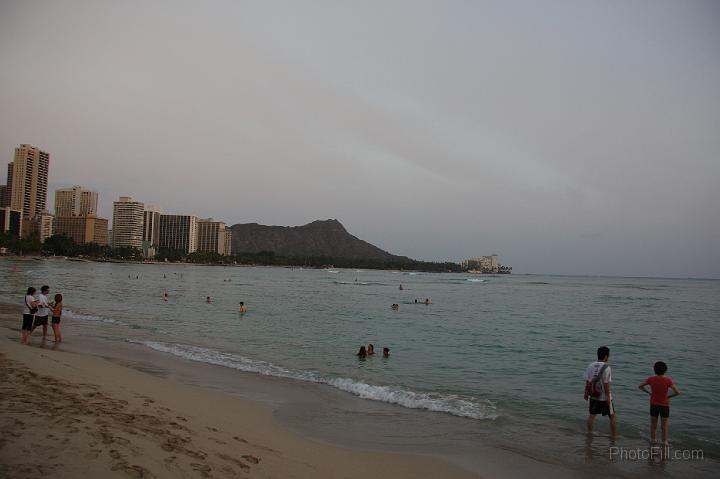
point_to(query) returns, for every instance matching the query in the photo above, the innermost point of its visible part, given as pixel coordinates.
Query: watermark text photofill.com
(655, 452)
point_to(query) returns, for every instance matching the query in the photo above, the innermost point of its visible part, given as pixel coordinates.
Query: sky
(568, 137)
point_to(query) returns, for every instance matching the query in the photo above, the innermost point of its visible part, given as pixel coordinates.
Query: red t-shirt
(659, 386)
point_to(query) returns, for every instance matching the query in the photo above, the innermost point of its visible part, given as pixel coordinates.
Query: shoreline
(283, 406)
(91, 415)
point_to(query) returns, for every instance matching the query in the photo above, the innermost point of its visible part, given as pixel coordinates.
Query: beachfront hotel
(75, 201)
(83, 229)
(10, 221)
(213, 237)
(26, 186)
(178, 233)
(127, 223)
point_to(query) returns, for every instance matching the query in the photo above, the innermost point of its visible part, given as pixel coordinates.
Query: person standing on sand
(597, 389)
(57, 308)
(41, 317)
(29, 310)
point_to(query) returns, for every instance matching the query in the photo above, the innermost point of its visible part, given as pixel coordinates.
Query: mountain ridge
(325, 238)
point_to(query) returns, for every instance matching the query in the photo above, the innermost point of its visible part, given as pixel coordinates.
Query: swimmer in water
(370, 349)
(165, 296)
(400, 288)
(386, 352)
(208, 300)
(243, 309)
(362, 353)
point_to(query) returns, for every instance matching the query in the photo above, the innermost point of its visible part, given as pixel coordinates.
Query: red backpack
(594, 388)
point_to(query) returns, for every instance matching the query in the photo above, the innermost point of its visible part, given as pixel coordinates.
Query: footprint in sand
(203, 469)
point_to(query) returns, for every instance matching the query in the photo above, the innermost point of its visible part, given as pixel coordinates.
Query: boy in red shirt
(659, 399)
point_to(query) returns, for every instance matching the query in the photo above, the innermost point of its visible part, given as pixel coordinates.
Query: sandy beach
(69, 415)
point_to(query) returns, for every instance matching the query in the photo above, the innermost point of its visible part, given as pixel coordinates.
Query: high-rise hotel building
(76, 216)
(178, 232)
(213, 237)
(75, 201)
(26, 187)
(83, 229)
(127, 223)
(27, 180)
(151, 225)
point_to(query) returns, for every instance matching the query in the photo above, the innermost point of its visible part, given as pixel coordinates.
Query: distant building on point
(485, 264)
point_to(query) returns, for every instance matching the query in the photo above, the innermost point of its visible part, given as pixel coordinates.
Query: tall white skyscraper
(127, 223)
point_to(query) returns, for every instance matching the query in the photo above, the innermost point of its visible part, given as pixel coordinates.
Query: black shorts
(27, 322)
(601, 407)
(40, 321)
(662, 411)
(56, 319)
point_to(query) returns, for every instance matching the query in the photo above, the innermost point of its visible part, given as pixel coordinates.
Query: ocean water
(505, 352)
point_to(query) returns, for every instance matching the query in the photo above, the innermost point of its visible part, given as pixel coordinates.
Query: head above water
(58, 298)
(603, 353)
(242, 303)
(362, 351)
(386, 352)
(660, 368)
(31, 291)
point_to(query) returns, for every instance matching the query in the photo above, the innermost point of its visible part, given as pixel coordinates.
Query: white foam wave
(332, 271)
(88, 317)
(456, 405)
(475, 280)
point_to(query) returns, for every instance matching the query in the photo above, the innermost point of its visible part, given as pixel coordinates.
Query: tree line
(60, 245)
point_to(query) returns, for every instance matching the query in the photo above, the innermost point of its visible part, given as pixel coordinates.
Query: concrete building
(178, 232)
(5, 193)
(83, 229)
(482, 264)
(127, 223)
(10, 221)
(27, 180)
(42, 226)
(213, 237)
(151, 225)
(75, 201)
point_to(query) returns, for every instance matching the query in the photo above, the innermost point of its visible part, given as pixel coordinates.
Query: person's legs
(45, 328)
(664, 426)
(613, 425)
(56, 331)
(653, 427)
(590, 422)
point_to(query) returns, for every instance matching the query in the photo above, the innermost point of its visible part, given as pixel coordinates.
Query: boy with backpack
(597, 389)
(659, 399)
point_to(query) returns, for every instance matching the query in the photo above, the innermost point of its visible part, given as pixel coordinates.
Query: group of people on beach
(598, 378)
(37, 309)
(370, 351)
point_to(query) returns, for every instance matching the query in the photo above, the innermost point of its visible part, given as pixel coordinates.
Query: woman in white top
(29, 310)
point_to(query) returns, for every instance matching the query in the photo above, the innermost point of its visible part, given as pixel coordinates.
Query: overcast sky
(566, 136)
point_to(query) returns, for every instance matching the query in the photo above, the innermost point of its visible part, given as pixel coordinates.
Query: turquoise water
(508, 352)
